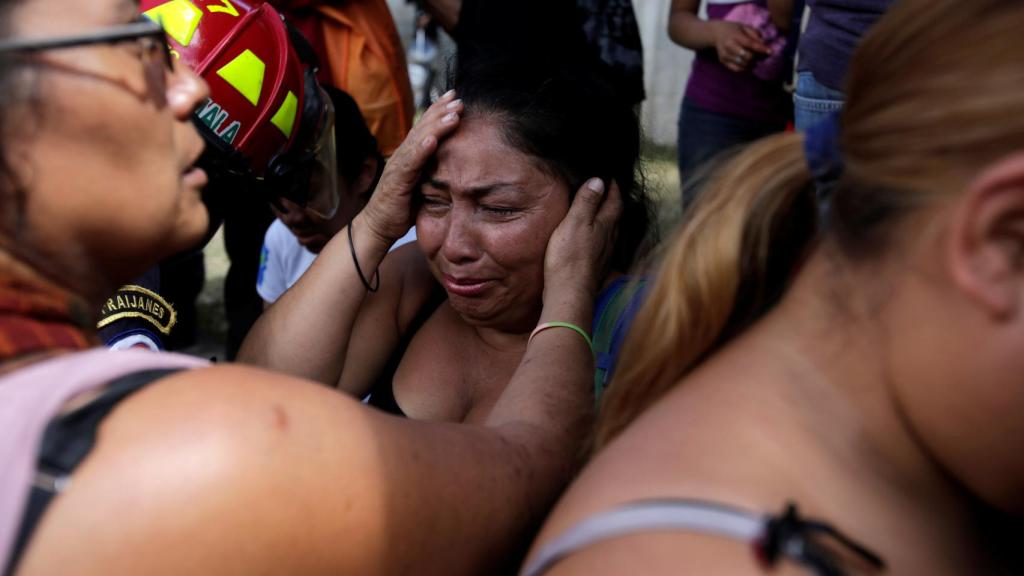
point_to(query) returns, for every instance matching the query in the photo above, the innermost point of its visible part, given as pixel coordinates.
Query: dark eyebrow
(476, 191)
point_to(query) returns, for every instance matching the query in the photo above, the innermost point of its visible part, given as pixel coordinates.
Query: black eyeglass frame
(143, 28)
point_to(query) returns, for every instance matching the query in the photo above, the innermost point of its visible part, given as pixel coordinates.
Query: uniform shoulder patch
(131, 301)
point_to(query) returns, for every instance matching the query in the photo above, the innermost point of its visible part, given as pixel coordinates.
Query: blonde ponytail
(921, 119)
(727, 263)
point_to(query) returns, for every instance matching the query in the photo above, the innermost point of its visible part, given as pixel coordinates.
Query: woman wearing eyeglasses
(141, 463)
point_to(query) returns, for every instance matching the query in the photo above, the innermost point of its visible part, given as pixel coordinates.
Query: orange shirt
(362, 54)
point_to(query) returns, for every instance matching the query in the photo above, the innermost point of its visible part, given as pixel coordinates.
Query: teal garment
(617, 306)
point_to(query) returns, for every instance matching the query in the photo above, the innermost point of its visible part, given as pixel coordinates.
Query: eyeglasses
(148, 33)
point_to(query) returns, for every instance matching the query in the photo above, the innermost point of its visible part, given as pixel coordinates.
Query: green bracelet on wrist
(570, 326)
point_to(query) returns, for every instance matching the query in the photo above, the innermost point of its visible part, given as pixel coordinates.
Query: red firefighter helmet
(266, 116)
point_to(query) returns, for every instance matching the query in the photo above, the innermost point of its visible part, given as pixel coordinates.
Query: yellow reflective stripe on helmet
(284, 118)
(180, 18)
(245, 74)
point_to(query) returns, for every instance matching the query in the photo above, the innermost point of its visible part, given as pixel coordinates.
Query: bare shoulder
(407, 257)
(681, 448)
(408, 264)
(199, 472)
(415, 281)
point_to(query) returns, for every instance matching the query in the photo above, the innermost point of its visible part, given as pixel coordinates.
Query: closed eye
(434, 203)
(501, 210)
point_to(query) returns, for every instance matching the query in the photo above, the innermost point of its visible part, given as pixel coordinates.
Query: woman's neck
(503, 338)
(38, 317)
(511, 335)
(82, 290)
(830, 340)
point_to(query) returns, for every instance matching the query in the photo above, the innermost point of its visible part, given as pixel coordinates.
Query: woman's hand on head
(738, 45)
(580, 247)
(389, 213)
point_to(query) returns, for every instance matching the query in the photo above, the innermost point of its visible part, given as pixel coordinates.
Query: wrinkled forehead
(478, 154)
(56, 17)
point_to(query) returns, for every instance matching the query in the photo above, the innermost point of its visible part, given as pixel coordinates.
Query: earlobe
(365, 182)
(986, 244)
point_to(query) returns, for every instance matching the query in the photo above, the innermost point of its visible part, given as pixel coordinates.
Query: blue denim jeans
(703, 134)
(813, 101)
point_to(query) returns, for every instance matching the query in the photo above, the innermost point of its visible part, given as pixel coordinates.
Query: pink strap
(32, 396)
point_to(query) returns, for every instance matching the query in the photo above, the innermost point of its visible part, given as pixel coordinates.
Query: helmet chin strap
(219, 157)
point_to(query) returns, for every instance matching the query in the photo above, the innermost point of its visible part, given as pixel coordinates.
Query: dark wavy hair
(565, 115)
(353, 139)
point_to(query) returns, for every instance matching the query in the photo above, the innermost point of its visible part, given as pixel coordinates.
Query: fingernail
(449, 118)
(453, 104)
(449, 94)
(596, 185)
(427, 142)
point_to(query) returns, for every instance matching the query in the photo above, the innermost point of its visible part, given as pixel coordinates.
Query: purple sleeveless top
(32, 396)
(714, 87)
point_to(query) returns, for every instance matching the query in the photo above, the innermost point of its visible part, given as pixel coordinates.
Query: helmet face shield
(323, 170)
(310, 177)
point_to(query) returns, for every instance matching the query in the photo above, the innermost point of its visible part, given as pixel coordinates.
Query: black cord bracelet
(376, 273)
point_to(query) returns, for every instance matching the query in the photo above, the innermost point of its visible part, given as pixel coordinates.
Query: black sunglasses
(141, 29)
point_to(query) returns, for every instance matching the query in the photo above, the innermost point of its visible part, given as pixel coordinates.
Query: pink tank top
(32, 396)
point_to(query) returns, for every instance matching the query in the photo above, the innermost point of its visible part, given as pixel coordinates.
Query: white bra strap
(649, 516)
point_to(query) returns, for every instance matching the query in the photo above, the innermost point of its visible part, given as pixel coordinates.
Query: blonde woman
(839, 400)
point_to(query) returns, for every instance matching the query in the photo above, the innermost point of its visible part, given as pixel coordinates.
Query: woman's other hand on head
(738, 45)
(579, 249)
(389, 212)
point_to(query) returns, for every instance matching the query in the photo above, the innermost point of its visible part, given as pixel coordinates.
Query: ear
(363, 185)
(986, 244)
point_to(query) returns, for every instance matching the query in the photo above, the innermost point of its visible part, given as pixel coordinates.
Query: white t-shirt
(283, 260)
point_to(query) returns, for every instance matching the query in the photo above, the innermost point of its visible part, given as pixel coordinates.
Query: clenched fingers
(390, 208)
(437, 122)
